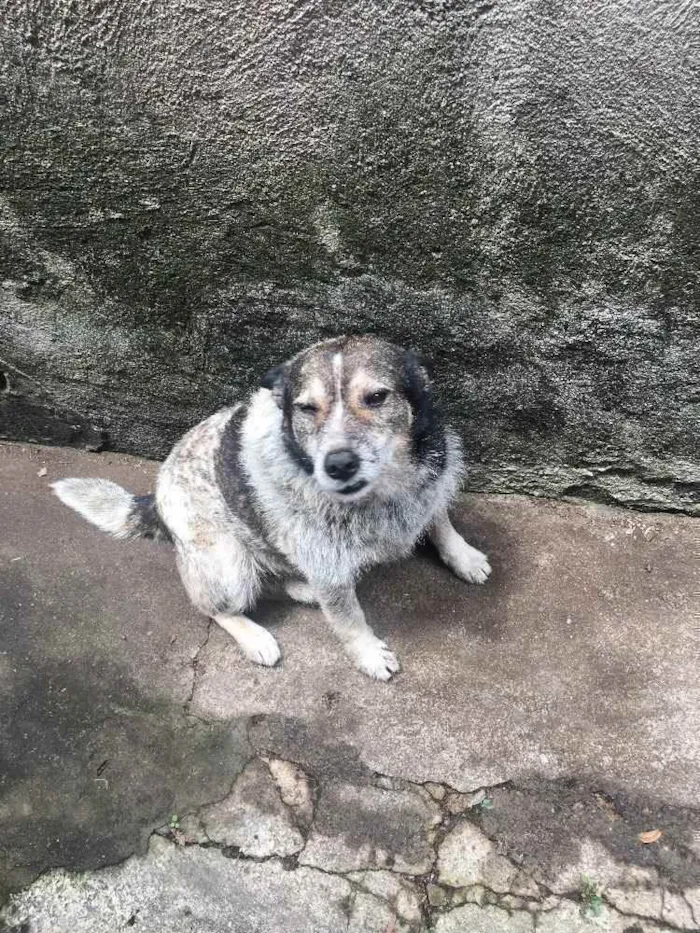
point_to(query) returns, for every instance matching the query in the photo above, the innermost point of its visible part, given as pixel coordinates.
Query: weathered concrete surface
(96, 656)
(307, 798)
(582, 650)
(359, 826)
(195, 890)
(253, 818)
(512, 186)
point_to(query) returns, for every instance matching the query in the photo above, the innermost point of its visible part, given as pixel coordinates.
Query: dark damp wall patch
(165, 240)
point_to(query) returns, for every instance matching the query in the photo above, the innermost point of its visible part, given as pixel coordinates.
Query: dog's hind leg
(344, 614)
(223, 580)
(462, 559)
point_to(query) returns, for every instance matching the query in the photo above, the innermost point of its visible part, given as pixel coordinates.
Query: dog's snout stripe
(338, 376)
(338, 380)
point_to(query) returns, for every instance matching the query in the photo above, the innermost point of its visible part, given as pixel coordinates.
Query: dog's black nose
(341, 464)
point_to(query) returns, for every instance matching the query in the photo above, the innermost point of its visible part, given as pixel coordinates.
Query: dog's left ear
(276, 381)
(417, 385)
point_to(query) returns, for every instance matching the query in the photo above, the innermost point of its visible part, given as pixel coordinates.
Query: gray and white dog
(338, 463)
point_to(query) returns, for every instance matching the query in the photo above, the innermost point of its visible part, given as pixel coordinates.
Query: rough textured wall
(193, 189)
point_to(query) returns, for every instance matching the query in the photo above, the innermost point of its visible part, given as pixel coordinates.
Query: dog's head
(358, 415)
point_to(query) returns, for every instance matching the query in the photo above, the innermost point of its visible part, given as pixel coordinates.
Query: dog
(339, 462)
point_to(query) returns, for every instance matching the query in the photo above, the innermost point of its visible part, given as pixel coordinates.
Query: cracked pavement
(151, 779)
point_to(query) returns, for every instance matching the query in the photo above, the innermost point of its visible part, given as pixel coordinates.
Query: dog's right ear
(277, 380)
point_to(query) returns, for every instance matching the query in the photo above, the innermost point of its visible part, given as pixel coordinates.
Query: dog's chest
(342, 544)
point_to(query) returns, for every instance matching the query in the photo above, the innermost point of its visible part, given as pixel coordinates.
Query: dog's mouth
(354, 487)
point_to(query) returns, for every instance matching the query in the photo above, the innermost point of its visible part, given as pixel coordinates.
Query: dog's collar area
(355, 487)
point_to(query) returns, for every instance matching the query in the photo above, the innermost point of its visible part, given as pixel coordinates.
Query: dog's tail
(112, 508)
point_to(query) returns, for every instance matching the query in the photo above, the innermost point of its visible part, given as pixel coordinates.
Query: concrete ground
(535, 766)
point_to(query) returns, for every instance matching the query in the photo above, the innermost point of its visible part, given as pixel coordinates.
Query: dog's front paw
(260, 647)
(468, 563)
(373, 657)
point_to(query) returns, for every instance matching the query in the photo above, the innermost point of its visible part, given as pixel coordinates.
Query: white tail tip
(99, 501)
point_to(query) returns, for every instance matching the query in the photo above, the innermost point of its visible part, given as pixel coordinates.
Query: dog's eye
(375, 399)
(307, 408)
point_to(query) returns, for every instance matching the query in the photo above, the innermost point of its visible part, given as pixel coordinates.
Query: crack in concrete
(195, 671)
(430, 911)
(575, 896)
(420, 882)
(691, 909)
(448, 821)
(630, 915)
(351, 904)
(291, 863)
(497, 899)
(570, 896)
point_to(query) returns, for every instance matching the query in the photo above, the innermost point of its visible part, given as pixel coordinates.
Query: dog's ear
(417, 386)
(277, 380)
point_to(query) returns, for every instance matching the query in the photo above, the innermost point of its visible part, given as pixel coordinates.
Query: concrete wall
(194, 189)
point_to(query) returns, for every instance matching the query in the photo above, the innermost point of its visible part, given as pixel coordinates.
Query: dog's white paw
(373, 657)
(259, 646)
(468, 563)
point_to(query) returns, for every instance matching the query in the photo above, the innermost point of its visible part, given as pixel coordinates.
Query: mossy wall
(190, 191)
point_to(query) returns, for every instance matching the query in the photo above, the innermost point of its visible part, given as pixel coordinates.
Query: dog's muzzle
(341, 465)
(353, 488)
